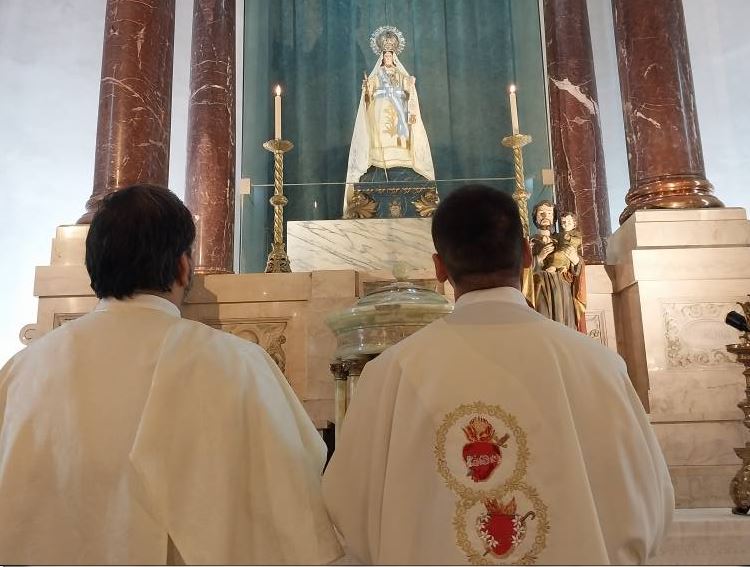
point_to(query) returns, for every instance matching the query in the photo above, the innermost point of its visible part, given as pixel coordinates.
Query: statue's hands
(546, 250)
(365, 90)
(572, 254)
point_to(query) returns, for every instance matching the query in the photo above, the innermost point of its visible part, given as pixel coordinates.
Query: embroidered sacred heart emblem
(501, 529)
(482, 454)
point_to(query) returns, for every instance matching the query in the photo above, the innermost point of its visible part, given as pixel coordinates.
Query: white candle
(277, 113)
(513, 109)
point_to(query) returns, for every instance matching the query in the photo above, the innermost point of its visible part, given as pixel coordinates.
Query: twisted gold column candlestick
(739, 488)
(278, 261)
(521, 197)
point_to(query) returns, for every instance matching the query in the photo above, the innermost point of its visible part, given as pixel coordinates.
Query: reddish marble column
(665, 157)
(209, 191)
(135, 98)
(580, 181)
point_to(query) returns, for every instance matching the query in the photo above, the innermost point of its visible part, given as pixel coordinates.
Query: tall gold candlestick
(521, 197)
(278, 261)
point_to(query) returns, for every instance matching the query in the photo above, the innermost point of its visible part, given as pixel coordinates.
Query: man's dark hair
(477, 231)
(135, 241)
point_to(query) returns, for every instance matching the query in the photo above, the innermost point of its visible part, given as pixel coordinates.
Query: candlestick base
(278, 260)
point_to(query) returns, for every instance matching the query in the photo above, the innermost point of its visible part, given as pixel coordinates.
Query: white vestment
(131, 424)
(498, 436)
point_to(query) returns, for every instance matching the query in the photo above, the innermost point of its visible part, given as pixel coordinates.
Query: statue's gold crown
(387, 38)
(390, 43)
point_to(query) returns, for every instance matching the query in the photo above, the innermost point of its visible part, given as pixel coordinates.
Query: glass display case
(463, 56)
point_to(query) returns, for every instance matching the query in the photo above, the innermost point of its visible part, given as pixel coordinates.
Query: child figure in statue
(568, 237)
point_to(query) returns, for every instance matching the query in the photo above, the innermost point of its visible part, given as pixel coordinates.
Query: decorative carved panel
(596, 327)
(263, 331)
(696, 334)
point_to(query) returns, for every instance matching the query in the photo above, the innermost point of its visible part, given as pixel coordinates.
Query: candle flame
(512, 88)
(277, 90)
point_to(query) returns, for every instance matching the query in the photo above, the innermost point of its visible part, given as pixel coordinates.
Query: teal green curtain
(460, 51)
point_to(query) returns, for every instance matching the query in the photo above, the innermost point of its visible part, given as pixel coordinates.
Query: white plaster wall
(720, 56)
(50, 64)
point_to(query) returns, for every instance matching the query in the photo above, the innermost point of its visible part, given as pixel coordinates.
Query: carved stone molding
(268, 332)
(696, 335)
(27, 333)
(62, 318)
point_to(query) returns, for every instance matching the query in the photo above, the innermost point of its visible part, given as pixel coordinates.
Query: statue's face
(568, 223)
(388, 59)
(544, 216)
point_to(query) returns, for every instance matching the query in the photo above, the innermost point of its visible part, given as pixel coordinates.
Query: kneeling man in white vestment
(131, 435)
(496, 435)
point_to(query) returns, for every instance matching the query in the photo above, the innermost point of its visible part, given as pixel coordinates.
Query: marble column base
(676, 274)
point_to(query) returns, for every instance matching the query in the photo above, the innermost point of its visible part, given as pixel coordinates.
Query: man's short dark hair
(135, 241)
(477, 231)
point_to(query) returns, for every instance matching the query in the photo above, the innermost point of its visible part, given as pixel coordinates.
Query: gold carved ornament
(427, 203)
(361, 206)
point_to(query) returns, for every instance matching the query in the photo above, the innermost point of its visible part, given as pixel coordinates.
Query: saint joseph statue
(388, 131)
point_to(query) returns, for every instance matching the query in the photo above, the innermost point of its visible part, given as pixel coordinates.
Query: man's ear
(525, 253)
(183, 270)
(441, 272)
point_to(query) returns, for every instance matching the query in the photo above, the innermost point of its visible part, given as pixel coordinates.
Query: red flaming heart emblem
(482, 453)
(500, 528)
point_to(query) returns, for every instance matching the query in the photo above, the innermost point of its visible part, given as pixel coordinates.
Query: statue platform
(398, 192)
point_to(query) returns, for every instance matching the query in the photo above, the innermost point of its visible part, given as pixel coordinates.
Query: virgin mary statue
(389, 142)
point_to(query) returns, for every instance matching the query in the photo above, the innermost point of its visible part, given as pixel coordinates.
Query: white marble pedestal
(677, 273)
(360, 244)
